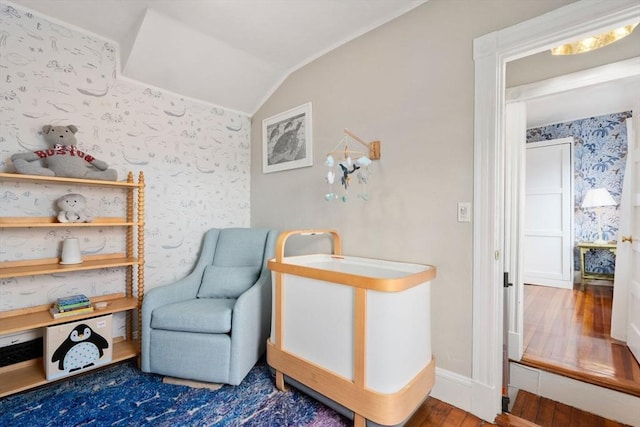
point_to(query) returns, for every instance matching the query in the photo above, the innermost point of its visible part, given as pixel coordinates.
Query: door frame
(491, 52)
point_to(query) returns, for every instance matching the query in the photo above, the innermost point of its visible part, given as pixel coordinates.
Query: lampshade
(594, 42)
(598, 197)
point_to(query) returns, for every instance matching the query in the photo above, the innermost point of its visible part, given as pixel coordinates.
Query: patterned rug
(121, 395)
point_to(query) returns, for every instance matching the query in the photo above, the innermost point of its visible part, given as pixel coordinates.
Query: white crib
(353, 332)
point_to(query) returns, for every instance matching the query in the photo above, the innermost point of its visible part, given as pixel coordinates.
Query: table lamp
(595, 199)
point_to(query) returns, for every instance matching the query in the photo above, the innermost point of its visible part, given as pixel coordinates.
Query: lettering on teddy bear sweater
(63, 151)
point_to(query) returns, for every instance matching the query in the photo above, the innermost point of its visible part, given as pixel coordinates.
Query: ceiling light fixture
(594, 42)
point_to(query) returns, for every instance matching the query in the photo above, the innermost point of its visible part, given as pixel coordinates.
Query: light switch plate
(464, 212)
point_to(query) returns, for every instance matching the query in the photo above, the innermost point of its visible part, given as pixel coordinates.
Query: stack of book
(71, 306)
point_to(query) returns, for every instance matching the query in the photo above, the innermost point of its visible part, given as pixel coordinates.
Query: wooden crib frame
(352, 394)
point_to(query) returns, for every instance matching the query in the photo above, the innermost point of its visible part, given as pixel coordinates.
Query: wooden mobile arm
(373, 146)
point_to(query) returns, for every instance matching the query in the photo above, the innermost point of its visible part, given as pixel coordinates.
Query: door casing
(491, 53)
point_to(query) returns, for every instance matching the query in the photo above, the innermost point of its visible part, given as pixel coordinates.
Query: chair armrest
(250, 327)
(182, 290)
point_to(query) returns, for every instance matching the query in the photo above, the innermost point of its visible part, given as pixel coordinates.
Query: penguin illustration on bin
(80, 350)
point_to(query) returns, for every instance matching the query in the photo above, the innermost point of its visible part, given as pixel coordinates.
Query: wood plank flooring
(435, 413)
(528, 410)
(547, 413)
(567, 332)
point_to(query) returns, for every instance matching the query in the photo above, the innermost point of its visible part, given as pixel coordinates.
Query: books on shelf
(59, 314)
(74, 299)
(71, 306)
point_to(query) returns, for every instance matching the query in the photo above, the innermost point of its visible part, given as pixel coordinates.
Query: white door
(624, 251)
(548, 231)
(633, 312)
(515, 153)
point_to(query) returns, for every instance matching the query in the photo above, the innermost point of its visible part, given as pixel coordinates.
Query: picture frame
(287, 140)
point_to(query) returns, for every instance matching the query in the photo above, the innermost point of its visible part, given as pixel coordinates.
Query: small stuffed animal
(62, 158)
(72, 208)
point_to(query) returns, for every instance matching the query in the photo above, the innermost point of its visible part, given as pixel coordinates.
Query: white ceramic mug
(71, 251)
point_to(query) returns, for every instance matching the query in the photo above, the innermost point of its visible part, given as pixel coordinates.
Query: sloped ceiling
(232, 53)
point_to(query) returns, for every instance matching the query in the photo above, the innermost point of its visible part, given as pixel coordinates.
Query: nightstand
(592, 246)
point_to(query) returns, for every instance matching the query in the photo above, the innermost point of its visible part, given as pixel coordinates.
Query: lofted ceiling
(232, 53)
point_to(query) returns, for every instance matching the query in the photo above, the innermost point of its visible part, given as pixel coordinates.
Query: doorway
(568, 331)
(491, 54)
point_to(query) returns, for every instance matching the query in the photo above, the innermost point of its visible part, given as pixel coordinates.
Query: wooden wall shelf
(22, 376)
(52, 265)
(19, 320)
(55, 179)
(29, 374)
(51, 222)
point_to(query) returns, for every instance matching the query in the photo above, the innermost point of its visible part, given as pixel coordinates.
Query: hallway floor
(567, 332)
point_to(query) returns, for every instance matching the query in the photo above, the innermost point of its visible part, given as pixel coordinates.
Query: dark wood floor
(567, 332)
(528, 410)
(547, 413)
(435, 413)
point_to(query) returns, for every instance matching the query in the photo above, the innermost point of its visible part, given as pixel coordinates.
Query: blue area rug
(122, 395)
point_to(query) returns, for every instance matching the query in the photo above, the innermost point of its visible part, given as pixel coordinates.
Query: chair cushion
(212, 316)
(227, 282)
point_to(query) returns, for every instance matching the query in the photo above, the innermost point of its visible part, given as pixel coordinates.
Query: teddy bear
(62, 158)
(73, 208)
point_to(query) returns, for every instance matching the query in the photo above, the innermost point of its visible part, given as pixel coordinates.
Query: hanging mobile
(330, 178)
(347, 167)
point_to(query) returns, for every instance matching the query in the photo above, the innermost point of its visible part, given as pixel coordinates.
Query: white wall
(195, 157)
(410, 84)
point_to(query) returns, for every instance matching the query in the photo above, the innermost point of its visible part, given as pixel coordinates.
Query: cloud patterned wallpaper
(195, 157)
(599, 158)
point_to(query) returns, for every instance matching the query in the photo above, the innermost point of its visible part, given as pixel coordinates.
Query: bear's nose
(61, 136)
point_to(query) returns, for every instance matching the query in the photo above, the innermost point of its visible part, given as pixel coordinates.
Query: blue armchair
(213, 324)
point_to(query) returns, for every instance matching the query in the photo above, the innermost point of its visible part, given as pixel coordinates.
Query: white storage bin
(76, 347)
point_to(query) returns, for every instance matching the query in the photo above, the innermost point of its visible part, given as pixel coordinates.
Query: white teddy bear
(72, 208)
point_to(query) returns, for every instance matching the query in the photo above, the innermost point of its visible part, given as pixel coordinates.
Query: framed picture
(286, 140)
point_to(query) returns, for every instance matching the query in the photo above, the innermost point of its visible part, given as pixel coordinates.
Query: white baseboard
(601, 401)
(464, 393)
(515, 345)
(452, 388)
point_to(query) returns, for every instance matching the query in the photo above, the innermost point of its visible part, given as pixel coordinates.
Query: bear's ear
(72, 128)
(46, 128)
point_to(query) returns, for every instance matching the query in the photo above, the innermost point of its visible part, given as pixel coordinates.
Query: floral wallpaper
(599, 158)
(195, 157)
